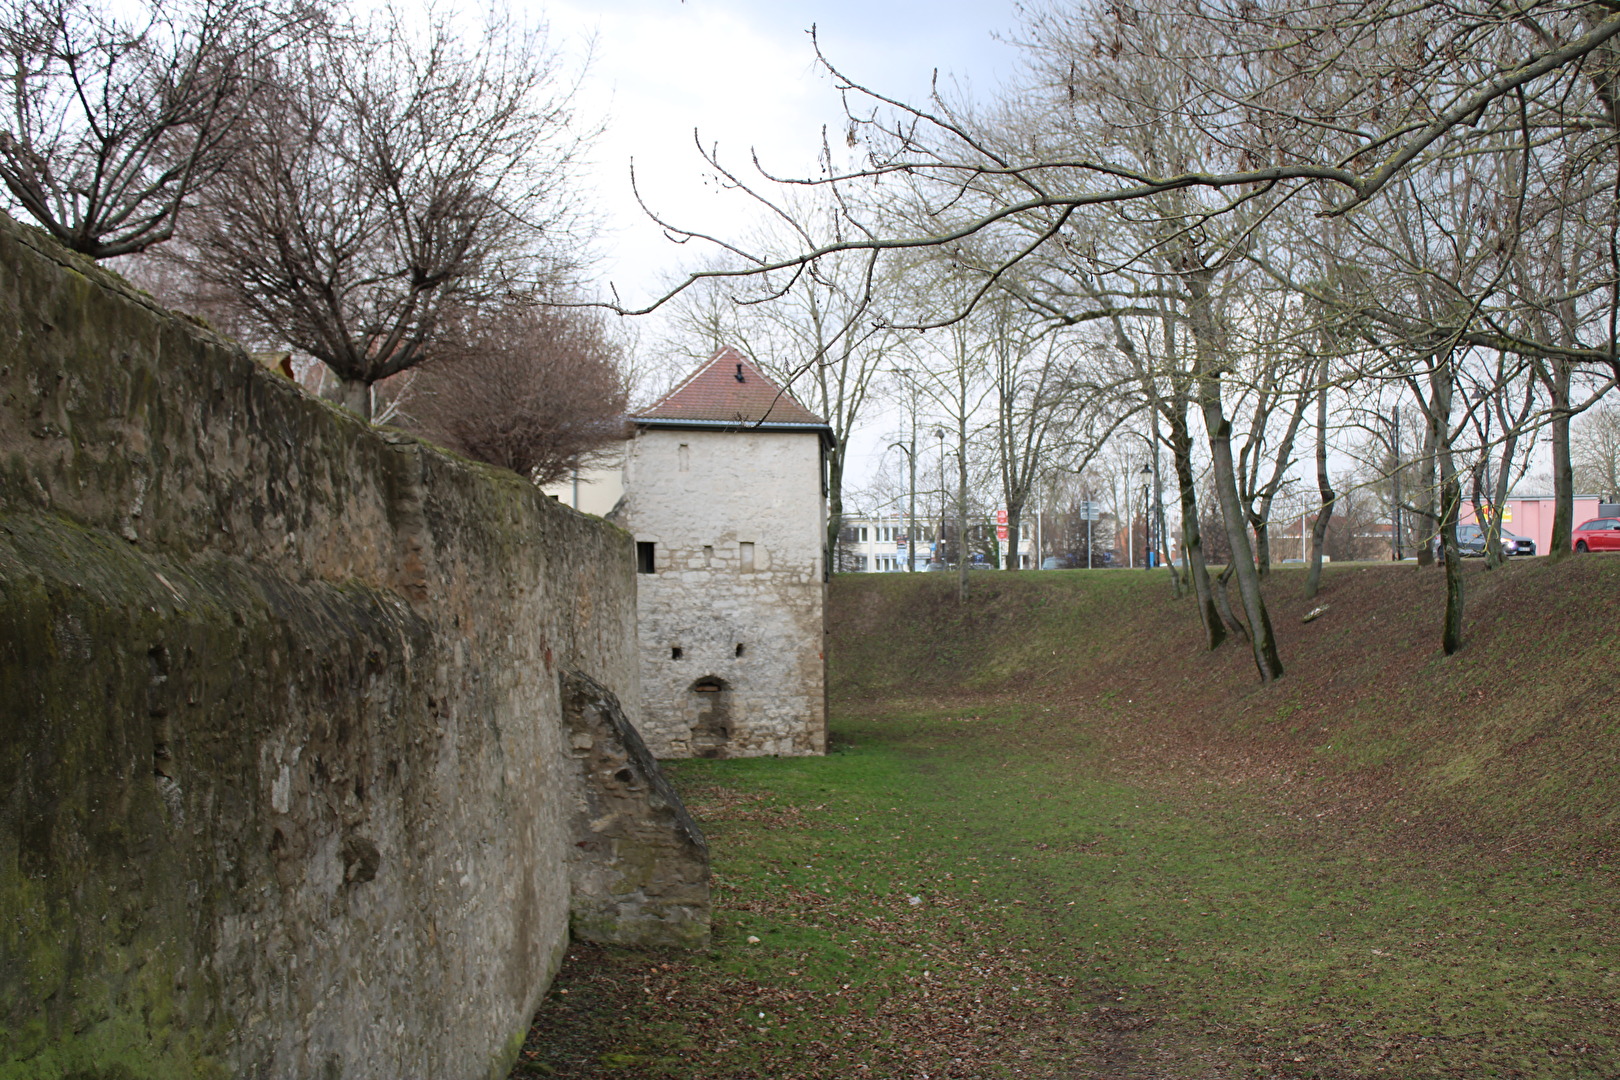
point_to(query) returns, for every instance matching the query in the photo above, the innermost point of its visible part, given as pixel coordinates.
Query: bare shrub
(538, 390)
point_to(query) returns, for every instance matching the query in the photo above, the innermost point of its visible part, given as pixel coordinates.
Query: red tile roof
(729, 390)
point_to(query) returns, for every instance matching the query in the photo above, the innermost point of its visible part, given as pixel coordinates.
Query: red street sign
(1001, 533)
(1001, 519)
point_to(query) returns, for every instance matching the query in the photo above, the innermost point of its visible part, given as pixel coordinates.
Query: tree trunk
(1313, 577)
(1440, 382)
(1206, 370)
(1191, 542)
(835, 494)
(1450, 496)
(1015, 518)
(1224, 603)
(1266, 660)
(961, 513)
(1563, 472)
(1158, 509)
(1425, 513)
(1261, 527)
(355, 395)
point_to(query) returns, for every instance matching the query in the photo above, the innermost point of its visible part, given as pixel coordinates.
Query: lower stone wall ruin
(285, 785)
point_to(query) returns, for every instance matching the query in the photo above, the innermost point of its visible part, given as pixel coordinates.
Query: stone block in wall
(639, 865)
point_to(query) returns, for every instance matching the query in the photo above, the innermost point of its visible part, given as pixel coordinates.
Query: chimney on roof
(739, 371)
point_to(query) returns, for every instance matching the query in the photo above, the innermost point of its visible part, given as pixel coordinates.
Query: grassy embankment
(1055, 839)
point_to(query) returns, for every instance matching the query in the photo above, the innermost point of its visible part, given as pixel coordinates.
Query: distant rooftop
(729, 391)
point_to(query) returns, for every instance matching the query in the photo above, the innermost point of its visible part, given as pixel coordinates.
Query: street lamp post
(1147, 519)
(1091, 514)
(911, 508)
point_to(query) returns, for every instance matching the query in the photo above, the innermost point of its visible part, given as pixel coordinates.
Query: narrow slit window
(745, 555)
(645, 559)
(708, 554)
(683, 457)
(739, 648)
(675, 652)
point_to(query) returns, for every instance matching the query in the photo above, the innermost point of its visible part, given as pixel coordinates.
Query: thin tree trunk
(1176, 584)
(1563, 471)
(1191, 542)
(1450, 496)
(961, 513)
(1313, 577)
(1224, 603)
(1487, 518)
(1425, 513)
(1440, 382)
(835, 494)
(1262, 544)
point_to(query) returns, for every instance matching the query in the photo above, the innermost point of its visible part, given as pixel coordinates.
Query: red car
(1599, 534)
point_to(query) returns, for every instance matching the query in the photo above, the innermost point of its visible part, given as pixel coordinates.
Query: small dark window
(708, 686)
(675, 652)
(644, 557)
(739, 648)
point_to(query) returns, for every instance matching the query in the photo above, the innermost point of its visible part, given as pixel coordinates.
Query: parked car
(1470, 541)
(1514, 544)
(1599, 534)
(1057, 562)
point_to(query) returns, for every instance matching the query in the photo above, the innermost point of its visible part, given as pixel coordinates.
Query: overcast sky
(743, 74)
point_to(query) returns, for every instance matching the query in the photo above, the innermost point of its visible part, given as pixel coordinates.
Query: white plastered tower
(725, 494)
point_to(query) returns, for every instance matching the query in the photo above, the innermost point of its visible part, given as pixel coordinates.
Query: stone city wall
(285, 787)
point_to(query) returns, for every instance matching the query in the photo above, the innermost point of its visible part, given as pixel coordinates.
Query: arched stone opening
(708, 710)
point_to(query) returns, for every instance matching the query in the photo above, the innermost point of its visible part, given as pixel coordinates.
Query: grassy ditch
(973, 896)
(1011, 867)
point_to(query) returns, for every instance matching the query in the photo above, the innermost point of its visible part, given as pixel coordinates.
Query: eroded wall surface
(732, 619)
(283, 783)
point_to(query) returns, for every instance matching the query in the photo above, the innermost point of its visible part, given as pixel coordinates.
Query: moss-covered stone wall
(282, 778)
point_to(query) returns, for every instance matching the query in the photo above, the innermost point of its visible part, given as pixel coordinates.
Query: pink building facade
(1531, 516)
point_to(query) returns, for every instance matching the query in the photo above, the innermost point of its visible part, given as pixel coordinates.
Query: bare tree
(1596, 452)
(1195, 123)
(538, 390)
(113, 122)
(389, 182)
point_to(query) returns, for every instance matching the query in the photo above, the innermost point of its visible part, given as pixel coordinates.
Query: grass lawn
(1048, 879)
